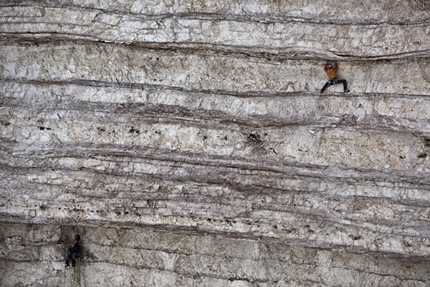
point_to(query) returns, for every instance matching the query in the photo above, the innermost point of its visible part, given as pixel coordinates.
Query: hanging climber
(74, 252)
(331, 73)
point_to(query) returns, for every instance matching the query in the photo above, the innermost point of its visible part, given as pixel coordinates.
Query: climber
(74, 252)
(331, 73)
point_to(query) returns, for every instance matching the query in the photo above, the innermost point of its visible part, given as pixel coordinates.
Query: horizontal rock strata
(152, 258)
(203, 121)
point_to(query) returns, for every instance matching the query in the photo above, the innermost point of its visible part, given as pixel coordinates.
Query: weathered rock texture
(198, 127)
(34, 255)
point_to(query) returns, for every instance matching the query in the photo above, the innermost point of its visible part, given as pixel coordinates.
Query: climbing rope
(78, 272)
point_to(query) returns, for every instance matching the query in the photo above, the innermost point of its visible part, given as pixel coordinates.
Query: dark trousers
(335, 82)
(71, 258)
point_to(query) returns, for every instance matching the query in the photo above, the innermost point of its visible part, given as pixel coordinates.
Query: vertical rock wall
(33, 255)
(201, 122)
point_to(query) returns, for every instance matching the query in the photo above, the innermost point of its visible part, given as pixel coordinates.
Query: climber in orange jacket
(331, 73)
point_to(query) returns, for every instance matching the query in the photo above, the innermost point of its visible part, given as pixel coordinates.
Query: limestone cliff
(188, 143)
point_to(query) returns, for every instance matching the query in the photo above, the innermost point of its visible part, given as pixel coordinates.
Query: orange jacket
(331, 72)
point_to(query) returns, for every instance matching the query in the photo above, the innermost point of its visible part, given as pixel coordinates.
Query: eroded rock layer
(203, 120)
(33, 255)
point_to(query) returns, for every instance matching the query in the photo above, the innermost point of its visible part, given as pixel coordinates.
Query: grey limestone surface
(31, 255)
(189, 144)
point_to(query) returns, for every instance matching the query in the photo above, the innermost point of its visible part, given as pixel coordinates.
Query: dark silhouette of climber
(331, 73)
(74, 252)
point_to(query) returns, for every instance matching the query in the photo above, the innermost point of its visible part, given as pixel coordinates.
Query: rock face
(187, 142)
(34, 256)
